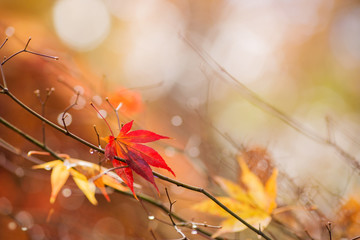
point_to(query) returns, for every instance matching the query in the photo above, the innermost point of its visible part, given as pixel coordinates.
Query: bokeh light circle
(81, 24)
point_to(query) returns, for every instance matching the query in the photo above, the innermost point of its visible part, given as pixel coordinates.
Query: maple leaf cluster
(127, 146)
(138, 157)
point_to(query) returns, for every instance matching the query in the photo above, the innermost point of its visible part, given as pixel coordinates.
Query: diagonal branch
(141, 196)
(29, 138)
(170, 180)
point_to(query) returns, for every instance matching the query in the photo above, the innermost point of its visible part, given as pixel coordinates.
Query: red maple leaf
(138, 157)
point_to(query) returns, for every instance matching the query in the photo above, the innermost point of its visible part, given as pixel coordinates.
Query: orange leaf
(130, 101)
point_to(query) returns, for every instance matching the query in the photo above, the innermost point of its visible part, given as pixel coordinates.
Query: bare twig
(91, 104)
(43, 103)
(152, 234)
(6, 39)
(171, 218)
(4, 87)
(328, 227)
(67, 109)
(29, 138)
(97, 136)
(27, 51)
(116, 110)
(308, 234)
(18, 152)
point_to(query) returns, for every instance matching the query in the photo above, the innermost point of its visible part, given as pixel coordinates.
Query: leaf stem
(116, 110)
(102, 118)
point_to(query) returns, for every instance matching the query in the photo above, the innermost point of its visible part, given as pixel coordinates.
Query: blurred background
(302, 57)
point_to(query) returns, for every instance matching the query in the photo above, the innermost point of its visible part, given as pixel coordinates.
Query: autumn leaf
(130, 101)
(81, 172)
(59, 175)
(250, 199)
(95, 172)
(348, 217)
(138, 157)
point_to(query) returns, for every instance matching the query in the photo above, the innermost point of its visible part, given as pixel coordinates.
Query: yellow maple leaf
(81, 172)
(59, 175)
(254, 202)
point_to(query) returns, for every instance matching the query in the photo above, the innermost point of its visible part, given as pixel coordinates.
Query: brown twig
(116, 110)
(27, 51)
(43, 103)
(4, 87)
(67, 109)
(6, 39)
(328, 227)
(171, 218)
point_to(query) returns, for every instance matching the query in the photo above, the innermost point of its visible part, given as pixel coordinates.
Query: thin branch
(18, 152)
(43, 103)
(152, 234)
(6, 39)
(5, 89)
(183, 223)
(328, 227)
(116, 110)
(285, 229)
(29, 138)
(171, 218)
(91, 104)
(60, 129)
(194, 225)
(223, 135)
(97, 135)
(27, 51)
(67, 109)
